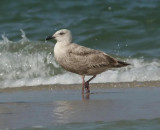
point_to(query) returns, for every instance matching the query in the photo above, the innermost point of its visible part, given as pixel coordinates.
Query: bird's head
(63, 35)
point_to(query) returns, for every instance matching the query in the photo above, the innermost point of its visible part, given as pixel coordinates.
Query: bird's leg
(87, 84)
(83, 84)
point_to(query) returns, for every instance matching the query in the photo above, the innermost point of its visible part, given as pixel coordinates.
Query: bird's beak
(50, 37)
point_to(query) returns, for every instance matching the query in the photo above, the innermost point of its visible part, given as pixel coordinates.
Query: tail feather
(122, 64)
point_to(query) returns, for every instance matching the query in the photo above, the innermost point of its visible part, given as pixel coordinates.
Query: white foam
(5, 40)
(139, 71)
(24, 38)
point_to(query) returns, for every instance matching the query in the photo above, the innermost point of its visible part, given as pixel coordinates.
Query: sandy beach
(49, 105)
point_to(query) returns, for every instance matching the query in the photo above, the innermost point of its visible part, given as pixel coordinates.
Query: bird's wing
(90, 57)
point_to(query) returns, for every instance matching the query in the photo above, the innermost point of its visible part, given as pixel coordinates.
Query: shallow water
(103, 108)
(142, 124)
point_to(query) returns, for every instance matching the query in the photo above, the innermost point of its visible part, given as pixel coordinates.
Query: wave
(30, 63)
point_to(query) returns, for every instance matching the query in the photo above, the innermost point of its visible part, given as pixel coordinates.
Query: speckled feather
(82, 60)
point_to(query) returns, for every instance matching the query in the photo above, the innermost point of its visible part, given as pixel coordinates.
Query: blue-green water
(126, 29)
(104, 108)
(142, 124)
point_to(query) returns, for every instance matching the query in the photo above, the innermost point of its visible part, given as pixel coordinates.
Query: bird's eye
(61, 33)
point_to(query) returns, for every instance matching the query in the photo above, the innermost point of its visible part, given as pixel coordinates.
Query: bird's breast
(59, 53)
(58, 50)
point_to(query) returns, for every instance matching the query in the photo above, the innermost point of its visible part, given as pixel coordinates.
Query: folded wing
(94, 58)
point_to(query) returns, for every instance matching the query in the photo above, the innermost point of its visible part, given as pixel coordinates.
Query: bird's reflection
(86, 96)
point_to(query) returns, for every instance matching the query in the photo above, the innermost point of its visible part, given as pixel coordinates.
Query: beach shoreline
(78, 86)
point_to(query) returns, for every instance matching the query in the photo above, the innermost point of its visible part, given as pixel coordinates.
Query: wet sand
(42, 106)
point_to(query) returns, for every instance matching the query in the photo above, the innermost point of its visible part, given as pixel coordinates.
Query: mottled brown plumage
(81, 60)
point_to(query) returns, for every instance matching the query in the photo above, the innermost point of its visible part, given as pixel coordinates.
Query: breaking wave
(30, 63)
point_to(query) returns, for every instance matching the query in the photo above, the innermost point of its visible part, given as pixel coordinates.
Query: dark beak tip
(49, 37)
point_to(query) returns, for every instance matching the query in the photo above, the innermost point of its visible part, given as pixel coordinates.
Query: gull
(81, 60)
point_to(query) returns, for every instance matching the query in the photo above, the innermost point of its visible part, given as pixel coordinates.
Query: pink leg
(87, 84)
(83, 83)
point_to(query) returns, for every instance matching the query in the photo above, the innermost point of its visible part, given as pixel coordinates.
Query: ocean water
(140, 124)
(107, 108)
(128, 30)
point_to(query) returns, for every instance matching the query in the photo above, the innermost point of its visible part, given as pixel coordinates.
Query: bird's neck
(63, 43)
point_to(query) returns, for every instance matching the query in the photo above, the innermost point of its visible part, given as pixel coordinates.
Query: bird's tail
(122, 64)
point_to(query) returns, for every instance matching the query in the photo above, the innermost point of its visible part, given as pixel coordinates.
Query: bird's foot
(87, 91)
(87, 87)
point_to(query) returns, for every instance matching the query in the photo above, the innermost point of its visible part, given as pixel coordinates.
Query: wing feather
(93, 58)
